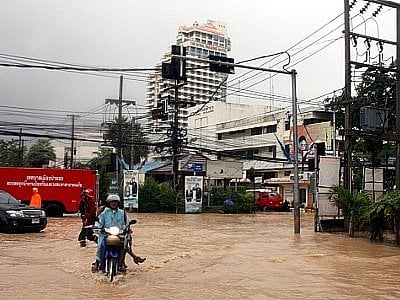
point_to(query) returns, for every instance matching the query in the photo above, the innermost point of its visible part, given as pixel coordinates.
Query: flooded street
(204, 256)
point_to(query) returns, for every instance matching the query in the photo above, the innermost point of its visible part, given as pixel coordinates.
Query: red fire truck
(60, 189)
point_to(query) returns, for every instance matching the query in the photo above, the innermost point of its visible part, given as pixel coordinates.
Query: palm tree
(355, 207)
(391, 204)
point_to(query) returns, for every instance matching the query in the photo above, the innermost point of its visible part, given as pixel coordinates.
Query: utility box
(374, 119)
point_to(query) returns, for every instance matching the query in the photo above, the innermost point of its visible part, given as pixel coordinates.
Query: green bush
(390, 203)
(243, 202)
(149, 196)
(155, 197)
(167, 198)
(358, 205)
(160, 197)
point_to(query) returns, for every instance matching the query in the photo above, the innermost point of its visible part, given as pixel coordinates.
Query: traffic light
(160, 112)
(321, 150)
(111, 165)
(164, 110)
(217, 67)
(177, 68)
(166, 71)
(311, 164)
(155, 113)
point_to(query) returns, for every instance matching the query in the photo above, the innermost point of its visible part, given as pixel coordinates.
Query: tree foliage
(10, 155)
(377, 87)
(134, 142)
(390, 204)
(99, 163)
(40, 154)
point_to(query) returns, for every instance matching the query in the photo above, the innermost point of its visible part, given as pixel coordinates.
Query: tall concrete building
(203, 85)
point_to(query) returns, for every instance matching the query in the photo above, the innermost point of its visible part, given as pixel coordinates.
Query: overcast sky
(135, 34)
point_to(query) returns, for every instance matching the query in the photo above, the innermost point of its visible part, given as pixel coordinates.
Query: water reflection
(205, 256)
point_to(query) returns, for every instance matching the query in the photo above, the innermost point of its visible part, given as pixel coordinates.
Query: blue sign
(195, 167)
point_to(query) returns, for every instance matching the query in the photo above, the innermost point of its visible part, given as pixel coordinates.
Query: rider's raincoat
(109, 217)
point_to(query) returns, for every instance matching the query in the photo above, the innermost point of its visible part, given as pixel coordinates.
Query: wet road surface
(203, 256)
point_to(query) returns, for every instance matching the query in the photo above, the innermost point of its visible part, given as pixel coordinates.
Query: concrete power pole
(20, 149)
(71, 166)
(119, 102)
(119, 149)
(398, 97)
(347, 97)
(175, 139)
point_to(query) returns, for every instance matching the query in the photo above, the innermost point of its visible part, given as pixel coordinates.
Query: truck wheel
(54, 210)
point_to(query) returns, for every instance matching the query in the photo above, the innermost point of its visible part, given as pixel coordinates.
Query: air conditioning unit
(308, 175)
(301, 177)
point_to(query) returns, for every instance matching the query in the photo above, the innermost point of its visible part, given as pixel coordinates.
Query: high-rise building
(202, 85)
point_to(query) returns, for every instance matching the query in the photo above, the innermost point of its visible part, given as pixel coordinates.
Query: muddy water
(206, 256)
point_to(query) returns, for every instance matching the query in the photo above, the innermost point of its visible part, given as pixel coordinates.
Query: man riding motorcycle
(111, 216)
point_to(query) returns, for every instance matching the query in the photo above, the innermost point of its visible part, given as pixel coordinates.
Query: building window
(251, 152)
(237, 132)
(256, 131)
(270, 129)
(287, 125)
(287, 148)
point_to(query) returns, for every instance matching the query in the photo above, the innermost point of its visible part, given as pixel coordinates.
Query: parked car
(18, 217)
(267, 199)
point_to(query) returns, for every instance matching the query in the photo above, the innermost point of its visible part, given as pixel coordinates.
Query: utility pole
(175, 142)
(176, 71)
(296, 198)
(119, 102)
(71, 166)
(119, 149)
(20, 149)
(347, 98)
(398, 96)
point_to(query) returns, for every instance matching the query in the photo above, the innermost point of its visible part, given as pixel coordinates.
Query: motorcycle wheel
(112, 267)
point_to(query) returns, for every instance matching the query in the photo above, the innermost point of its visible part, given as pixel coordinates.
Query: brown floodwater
(203, 256)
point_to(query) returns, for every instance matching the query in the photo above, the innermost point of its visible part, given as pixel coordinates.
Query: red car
(266, 199)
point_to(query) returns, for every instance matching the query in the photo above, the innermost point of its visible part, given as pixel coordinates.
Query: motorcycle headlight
(15, 213)
(113, 230)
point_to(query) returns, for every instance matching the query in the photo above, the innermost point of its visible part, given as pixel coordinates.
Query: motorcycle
(116, 243)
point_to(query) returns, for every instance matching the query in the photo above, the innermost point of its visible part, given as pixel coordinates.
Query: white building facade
(255, 134)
